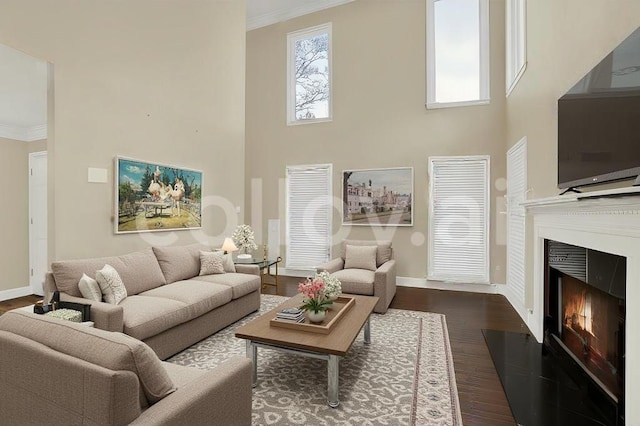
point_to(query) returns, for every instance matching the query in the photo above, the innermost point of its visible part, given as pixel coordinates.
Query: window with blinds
(309, 212)
(459, 219)
(516, 220)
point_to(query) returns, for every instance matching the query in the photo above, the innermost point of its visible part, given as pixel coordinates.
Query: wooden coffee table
(330, 347)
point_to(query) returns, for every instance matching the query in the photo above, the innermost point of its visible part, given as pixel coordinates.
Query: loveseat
(57, 372)
(169, 306)
(367, 268)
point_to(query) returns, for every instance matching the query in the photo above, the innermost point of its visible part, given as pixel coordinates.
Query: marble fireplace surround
(607, 221)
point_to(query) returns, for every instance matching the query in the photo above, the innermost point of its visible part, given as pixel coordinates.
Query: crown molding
(25, 134)
(285, 14)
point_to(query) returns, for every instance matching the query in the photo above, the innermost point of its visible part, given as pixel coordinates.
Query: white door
(37, 221)
(516, 220)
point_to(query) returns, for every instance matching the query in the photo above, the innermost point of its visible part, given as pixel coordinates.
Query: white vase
(244, 256)
(316, 317)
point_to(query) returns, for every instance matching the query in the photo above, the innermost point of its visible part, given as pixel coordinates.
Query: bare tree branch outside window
(312, 77)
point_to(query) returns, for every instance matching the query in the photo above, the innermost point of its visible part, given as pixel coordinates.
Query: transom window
(309, 75)
(457, 52)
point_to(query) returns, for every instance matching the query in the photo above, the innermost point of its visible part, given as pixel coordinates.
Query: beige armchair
(367, 268)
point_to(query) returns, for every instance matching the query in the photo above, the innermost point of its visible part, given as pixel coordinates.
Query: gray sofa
(380, 280)
(61, 373)
(168, 305)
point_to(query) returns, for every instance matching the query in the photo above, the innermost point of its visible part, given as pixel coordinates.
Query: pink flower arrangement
(315, 298)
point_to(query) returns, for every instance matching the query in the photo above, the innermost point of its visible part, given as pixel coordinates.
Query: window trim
(516, 41)
(485, 58)
(292, 37)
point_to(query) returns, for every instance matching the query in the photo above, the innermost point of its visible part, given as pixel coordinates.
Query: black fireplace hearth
(538, 387)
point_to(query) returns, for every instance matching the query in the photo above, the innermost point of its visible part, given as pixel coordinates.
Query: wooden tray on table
(341, 305)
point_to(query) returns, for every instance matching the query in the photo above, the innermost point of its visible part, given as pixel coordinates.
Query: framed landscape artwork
(378, 197)
(156, 197)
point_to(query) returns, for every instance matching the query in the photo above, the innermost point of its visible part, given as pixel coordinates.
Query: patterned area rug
(405, 377)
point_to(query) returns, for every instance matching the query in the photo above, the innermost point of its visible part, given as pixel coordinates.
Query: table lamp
(228, 246)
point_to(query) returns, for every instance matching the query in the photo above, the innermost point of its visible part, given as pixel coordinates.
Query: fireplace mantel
(607, 221)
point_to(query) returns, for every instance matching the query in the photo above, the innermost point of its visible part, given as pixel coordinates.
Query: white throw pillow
(111, 285)
(90, 288)
(227, 261)
(360, 257)
(211, 262)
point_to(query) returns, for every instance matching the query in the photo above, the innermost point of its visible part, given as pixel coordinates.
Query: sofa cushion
(228, 264)
(199, 297)
(383, 254)
(114, 351)
(145, 316)
(139, 271)
(111, 285)
(211, 262)
(240, 284)
(356, 281)
(179, 262)
(360, 257)
(89, 288)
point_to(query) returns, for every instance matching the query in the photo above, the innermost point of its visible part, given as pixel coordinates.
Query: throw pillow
(90, 288)
(360, 257)
(211, 262)
(113, 289)
(227, 261)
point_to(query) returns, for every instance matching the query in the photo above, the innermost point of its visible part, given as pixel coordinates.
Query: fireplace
(605, 221)
(585, 320)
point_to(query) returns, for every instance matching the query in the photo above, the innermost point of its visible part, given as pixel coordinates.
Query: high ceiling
(23, 79)
(261, 13)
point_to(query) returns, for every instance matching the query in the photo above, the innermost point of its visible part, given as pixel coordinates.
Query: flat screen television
(599, 121)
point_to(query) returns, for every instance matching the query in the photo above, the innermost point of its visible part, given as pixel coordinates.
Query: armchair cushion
(356, 281)
(384, 253)
(360, 257)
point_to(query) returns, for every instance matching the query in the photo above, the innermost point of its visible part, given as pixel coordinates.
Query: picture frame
(152, 197)
(377, 197)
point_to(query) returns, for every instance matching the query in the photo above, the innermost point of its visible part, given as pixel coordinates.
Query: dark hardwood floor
(482, 399)
(8, 305)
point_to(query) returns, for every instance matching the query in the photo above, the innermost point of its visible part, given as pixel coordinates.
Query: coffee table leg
(367, 331)
(332, 379)
(252, 354)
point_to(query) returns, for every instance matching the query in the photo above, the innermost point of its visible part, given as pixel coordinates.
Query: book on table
(290, 314)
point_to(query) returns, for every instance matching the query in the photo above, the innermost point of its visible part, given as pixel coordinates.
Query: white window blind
(309, 213)
(459, 219)
(516, 220)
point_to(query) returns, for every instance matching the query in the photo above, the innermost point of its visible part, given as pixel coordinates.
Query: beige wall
(379, 118)
(565, 39)
(157, 80)
(14, 250)
(37, 146)
(14, 214)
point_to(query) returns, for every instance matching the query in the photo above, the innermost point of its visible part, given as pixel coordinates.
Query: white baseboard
(440, 285)
(517, 305)
(15, 293)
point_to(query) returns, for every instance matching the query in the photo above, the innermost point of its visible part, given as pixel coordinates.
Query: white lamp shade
(229, 245)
